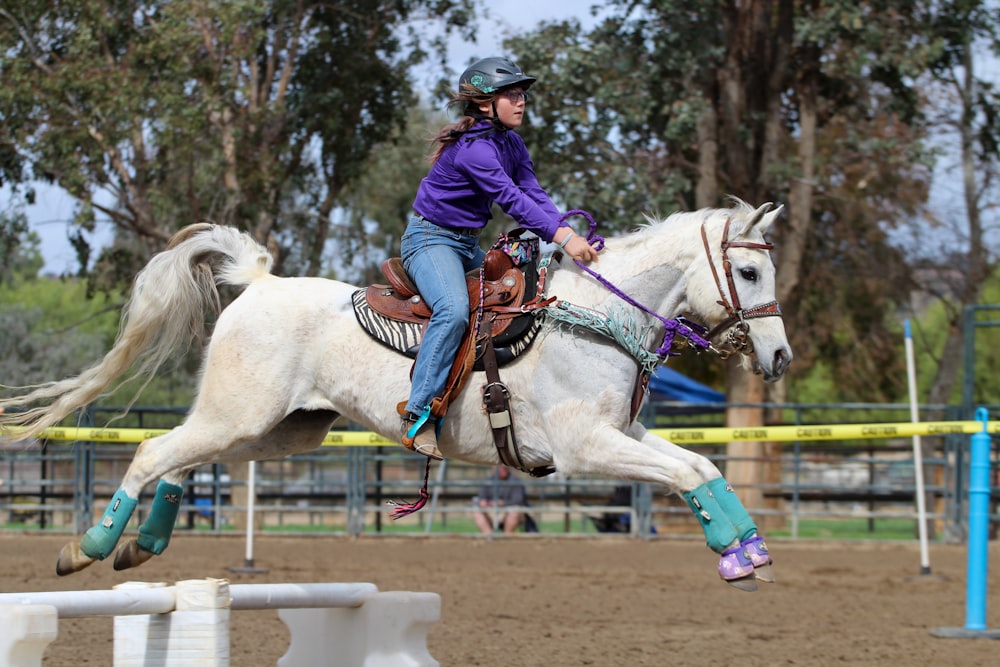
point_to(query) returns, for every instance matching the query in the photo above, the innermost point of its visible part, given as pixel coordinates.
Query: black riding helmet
(490, 75)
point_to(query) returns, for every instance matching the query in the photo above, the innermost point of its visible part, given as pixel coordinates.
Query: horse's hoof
(130, 555)
(72, 559)
(736, 569)
(756, 550)
(747, 583)
(764, 573)
(735, 563)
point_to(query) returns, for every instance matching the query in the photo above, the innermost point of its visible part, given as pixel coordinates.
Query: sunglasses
(514, 96)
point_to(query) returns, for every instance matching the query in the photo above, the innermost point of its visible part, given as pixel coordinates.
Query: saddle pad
(405, 337)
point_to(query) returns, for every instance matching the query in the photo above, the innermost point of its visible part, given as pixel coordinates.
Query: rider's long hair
(470, 100)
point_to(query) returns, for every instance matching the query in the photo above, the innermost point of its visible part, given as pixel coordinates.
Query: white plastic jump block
(25, 631)
(195, 633)
(389, 630)
(188, 624)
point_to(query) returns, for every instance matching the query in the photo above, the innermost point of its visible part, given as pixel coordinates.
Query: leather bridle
(739, 328)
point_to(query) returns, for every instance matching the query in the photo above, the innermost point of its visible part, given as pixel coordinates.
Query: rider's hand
(578, 248)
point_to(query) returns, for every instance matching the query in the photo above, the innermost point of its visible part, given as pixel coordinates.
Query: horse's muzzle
(777, 368)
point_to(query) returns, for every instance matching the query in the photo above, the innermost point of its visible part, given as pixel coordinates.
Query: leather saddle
(396, 315)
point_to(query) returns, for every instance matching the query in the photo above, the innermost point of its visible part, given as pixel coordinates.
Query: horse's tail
(165, 313)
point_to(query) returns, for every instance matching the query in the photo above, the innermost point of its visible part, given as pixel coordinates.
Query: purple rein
(672, 327)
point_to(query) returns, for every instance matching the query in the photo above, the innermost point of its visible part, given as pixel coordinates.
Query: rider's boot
(419, 433)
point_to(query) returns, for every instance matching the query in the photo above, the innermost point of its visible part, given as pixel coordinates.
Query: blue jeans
(437, 260)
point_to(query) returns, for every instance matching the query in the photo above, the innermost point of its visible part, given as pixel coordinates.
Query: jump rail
(188, 623)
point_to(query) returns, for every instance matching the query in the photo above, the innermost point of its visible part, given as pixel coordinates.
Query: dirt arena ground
(548, 602)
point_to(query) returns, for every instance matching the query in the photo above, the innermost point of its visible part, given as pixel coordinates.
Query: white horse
(287, 357)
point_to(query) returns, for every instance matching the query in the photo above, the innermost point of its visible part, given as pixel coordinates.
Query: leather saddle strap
(639, 394)
(496, 400)
(465, 359)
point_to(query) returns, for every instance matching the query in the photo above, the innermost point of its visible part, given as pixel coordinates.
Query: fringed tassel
(406, 509)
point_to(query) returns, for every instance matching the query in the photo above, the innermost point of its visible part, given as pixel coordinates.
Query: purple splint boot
(756, 549)
(735, 564)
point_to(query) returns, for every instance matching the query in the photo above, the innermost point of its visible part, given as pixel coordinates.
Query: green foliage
(20, 254)
(299, 122)
(665, 102)
(852, 291)
(603, 113)
(255, 114)
(377, 205)
(50, 329)
(930, 334)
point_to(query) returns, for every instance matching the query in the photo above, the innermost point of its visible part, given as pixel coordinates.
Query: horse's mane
(655, 223)
(738, 208)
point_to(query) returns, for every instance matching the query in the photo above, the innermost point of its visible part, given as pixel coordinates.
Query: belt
(461, 231)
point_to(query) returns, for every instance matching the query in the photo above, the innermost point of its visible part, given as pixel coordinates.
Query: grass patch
(853, 529)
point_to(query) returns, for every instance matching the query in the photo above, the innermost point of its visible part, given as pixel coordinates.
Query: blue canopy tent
(667, 384)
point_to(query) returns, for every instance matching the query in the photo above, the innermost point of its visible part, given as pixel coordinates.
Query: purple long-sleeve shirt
(478, 170)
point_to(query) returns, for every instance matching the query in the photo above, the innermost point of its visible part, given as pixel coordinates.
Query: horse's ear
(762, 218)
(768, 218)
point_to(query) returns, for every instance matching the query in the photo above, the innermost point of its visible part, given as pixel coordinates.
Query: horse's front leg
(751, 545)
(599, 448)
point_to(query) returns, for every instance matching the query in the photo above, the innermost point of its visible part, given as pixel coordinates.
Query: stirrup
(429, 450)
(419, 435)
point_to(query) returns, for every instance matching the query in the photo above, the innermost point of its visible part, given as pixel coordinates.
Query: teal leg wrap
(100, 540)
(731, 505)
(154, 533)
(719, 530)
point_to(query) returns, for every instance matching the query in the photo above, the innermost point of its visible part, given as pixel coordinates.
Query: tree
(666, 105)
(377, 205)
(670, 104)
(965, 105)
(19, 247)
(157, 114)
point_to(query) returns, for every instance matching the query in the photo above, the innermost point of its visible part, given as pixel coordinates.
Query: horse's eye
(749, 275)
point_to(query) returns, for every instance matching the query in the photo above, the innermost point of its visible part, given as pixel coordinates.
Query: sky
(51, 214)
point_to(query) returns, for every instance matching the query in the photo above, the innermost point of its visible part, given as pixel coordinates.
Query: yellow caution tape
(135, 435)
(677, 435)
(821, 432)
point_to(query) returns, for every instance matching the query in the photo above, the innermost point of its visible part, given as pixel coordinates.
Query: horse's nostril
(781, 360)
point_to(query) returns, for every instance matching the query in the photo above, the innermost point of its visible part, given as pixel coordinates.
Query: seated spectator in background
(501, 489)
(616, 522)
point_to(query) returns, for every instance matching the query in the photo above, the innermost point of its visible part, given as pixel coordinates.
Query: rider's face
(509, 107)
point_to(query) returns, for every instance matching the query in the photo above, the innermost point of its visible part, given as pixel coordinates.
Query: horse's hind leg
(100, 540)
(299, 431)
(155, 531)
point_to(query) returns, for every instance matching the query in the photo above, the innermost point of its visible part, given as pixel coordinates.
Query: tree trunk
(746, 467)
(706, 192)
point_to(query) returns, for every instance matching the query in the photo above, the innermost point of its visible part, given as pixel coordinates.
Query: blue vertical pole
(979, 511)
